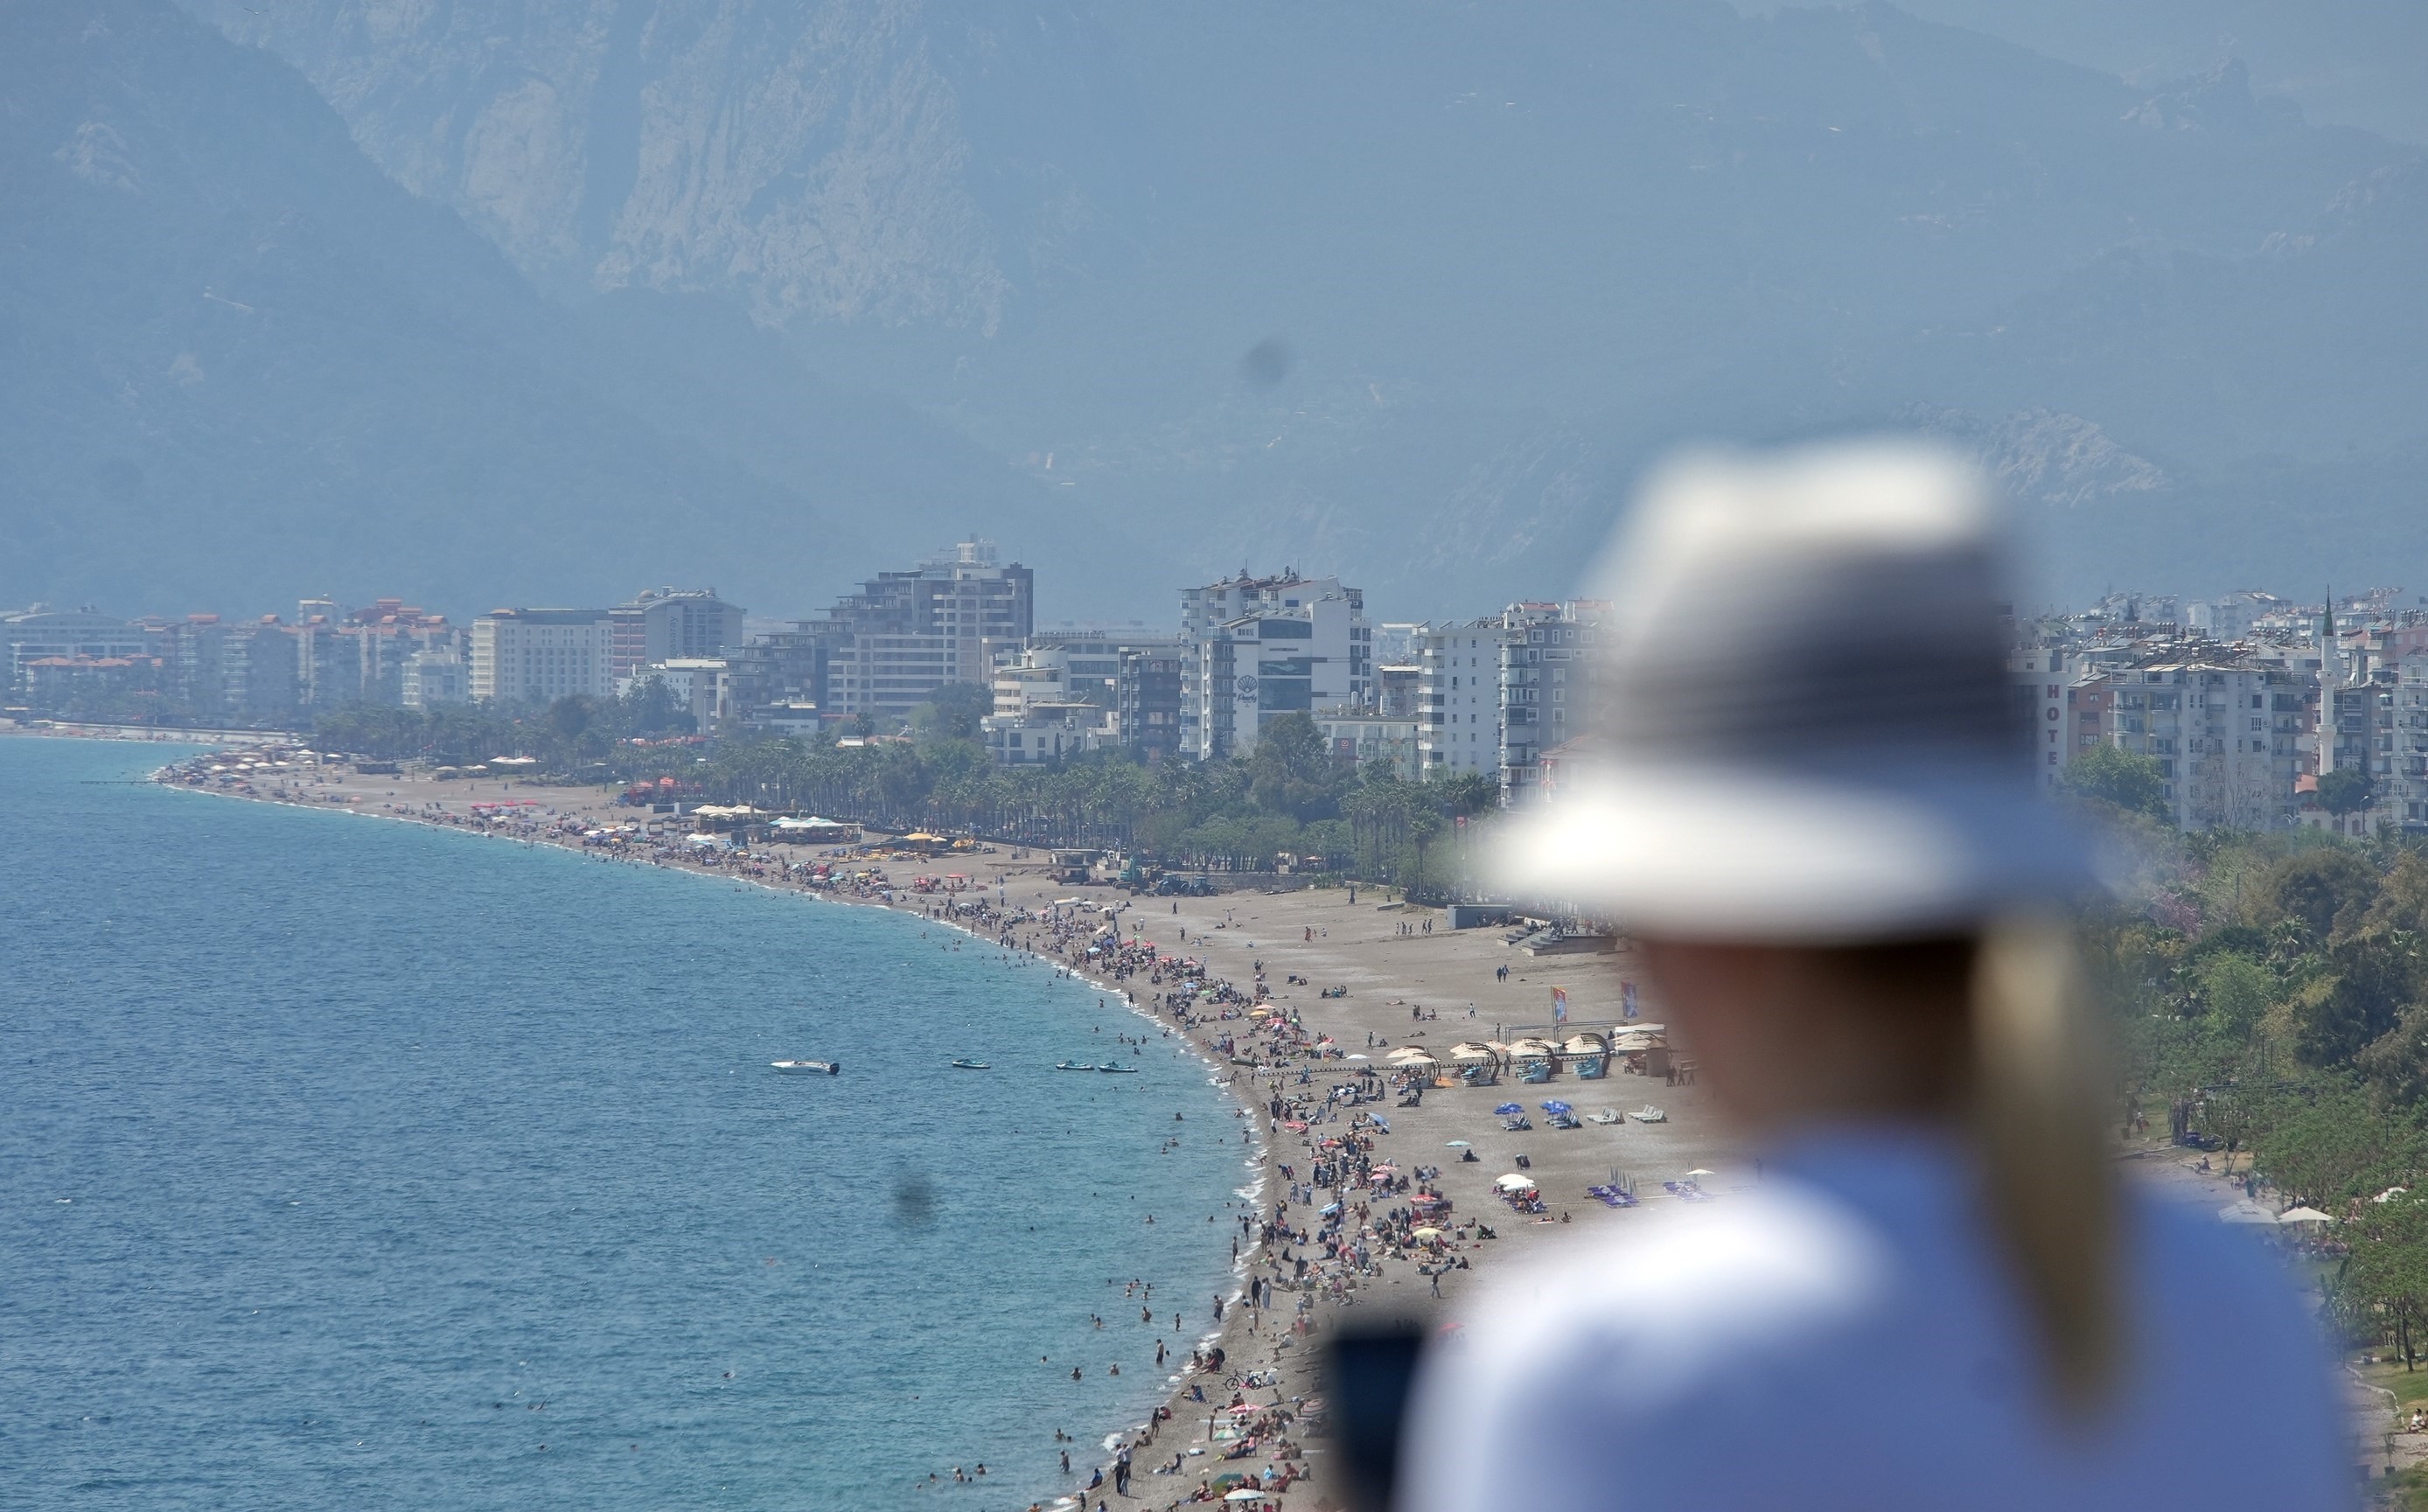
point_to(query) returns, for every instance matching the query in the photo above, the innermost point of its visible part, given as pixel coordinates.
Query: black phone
(1368, 1372)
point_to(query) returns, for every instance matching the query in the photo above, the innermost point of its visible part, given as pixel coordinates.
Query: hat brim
(1754, 854)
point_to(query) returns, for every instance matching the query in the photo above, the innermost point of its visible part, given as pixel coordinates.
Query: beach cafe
(794, 830)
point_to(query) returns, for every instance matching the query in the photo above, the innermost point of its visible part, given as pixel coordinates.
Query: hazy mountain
(2349, 62)
(1490, 258)
(241, 364)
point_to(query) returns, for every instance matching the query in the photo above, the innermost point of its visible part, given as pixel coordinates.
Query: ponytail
(2050, 1185)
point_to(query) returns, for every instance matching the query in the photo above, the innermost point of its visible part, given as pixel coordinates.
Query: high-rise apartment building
(44, 633)
(1547, 652)
(1458, 697)
(257, 681)
(888, 648)
(1260, 648)
(538, 655)
(671, 624)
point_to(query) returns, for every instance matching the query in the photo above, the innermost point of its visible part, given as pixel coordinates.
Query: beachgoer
(1815, 817)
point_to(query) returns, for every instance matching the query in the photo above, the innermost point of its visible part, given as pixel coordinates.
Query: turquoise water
(346, 1163)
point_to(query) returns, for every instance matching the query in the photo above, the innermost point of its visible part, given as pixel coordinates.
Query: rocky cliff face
(823, 160)
(1514, 251)
(238, 363)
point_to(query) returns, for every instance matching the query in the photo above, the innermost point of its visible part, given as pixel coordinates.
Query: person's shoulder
(2189, 1261)
(1784, 1261)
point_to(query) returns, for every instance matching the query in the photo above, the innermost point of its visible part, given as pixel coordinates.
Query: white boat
(808, 1068)
(1649, 1114)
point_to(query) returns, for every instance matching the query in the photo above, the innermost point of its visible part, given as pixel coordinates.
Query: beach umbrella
(2245, 1212)
(1358, 1058)
(1507, 1109)
(1458, 1145)
(1425, 1233)
(1514, 1181)
(1555, 1107)
(1245, 1495)
(1699, 1171)
(2303, 1215)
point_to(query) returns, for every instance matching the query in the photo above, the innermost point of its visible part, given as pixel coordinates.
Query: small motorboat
(1649, 1114)
(966, 1064)
(1118, 1071)
(808, 1068)
(1073, 1065)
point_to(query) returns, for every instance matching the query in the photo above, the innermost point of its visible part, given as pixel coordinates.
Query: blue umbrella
(1555, 1107)
(1507, 1109)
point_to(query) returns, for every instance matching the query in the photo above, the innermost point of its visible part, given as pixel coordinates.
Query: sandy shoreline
(1391, 968)
(1306, 941)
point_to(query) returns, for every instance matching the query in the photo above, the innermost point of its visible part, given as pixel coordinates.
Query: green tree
(2374, 978)
(1290, 772)
(2384, 1285)
(2324, 890)
(2346, 790)
(953, 712)
(2128, 780)
(2335, 1144)
(2235, 990)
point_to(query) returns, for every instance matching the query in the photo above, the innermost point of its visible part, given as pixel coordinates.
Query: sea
(351, 1164)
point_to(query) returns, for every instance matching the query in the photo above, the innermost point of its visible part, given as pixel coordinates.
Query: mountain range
(546, 299)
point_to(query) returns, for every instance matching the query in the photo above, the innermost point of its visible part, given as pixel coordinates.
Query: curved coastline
(1164, 1405)
(1326, 1238)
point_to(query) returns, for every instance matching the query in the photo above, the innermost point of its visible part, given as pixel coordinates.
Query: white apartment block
(1045, 732)
(1545, 658)
(1261, 647)
(433, 677)
(1459, 699)
(2225, 732)
(2403, 787)
(540, 655)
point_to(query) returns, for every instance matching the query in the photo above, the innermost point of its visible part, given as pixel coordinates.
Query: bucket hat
(1802, 727)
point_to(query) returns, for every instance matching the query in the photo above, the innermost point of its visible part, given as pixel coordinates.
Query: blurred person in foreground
(1813, 807)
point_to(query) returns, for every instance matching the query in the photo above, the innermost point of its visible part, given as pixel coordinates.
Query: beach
(1296, 1000)
(1331, 1240)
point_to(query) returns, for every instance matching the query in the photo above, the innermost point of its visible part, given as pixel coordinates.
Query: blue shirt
(1847, 1339)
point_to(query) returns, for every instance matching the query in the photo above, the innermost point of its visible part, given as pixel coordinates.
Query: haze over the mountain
(1489, 260)
(2347, 62)
(244, 365)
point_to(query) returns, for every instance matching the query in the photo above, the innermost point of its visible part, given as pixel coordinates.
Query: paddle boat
(1118, 1071)
(808, 1068)
(966, 1064)
(1073, 1065)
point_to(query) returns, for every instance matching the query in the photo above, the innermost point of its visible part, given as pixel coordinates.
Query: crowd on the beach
(1344, 1212)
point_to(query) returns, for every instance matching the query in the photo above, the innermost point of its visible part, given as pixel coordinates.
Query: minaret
(2330, 679)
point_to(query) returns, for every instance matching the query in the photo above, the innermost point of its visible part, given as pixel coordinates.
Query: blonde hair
(2050, 1184)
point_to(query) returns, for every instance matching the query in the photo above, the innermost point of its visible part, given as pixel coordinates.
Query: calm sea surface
(349, 1164)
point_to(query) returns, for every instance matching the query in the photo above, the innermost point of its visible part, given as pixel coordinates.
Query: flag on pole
(1627, 1000)
(1559, 1005)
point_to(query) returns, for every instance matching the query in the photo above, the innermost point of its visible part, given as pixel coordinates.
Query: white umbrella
(1514, 1182)
(1245, 1494)
(2245, 1212)
(2303, 1215)
(1699, 1171)
(1358, 1058)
